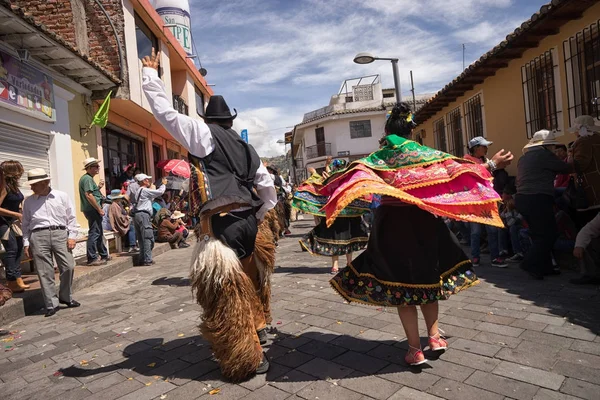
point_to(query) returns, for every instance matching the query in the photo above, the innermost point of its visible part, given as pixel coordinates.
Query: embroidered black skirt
(344, 236)
(412, 258)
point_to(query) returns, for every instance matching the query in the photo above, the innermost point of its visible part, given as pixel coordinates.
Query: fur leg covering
(273, 223)
(227, 297)
(264, 257)
(280, 209)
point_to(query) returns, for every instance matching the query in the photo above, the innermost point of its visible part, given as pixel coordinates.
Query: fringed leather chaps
(231, 310)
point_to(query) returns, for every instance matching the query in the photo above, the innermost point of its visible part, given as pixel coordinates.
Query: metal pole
(412, 85)
(463, 46)
(396, 80)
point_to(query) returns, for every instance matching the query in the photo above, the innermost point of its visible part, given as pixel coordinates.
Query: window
(144, 37)
(199, 102)
(172, 154)
(455, 135)
(156, 156)
(539, 92)
(439, 135)
(389, 95)
(180, 105)
(360, 129)
(473, 110)
(120, 151)
(582, 65)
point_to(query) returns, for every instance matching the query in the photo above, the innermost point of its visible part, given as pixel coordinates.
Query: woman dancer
(412, 258)
(343, 237)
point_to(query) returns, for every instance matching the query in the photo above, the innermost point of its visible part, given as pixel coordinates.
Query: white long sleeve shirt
(55, 209)
(195, 135)
(588, 233)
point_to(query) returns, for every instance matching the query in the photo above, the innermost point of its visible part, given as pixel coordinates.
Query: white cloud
(265, 127)
(280, 60)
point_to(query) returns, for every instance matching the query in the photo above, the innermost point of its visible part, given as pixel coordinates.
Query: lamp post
(368, 58)
(287, 163)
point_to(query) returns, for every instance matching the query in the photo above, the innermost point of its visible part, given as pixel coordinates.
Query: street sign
(244, 135)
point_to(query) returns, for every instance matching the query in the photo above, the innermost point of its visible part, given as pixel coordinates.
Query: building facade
(46, 84)
(544, 75)
(79, 51)
(349, 128)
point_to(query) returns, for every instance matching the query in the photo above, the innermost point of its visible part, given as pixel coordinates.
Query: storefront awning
(51, 50)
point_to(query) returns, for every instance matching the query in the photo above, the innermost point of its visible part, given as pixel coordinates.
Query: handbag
(574, 194)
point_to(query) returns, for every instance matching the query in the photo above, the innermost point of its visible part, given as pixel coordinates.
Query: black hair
(561, 146)
(399, 123)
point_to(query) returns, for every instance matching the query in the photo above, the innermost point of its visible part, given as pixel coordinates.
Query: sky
(275, 60)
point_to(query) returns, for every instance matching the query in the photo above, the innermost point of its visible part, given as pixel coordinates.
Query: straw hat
(542, 138)
(37, 175)
(177, 214)
(88, 162)
(585, 125)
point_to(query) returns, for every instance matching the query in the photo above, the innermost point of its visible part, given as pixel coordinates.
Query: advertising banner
(26, 87)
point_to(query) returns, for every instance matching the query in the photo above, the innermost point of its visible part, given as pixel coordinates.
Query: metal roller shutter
(28, 147)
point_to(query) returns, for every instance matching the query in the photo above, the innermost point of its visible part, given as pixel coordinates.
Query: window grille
(473, 110)
(539, 93)
(439, 133)
(454, 130)
(582, 66)
(360, 129)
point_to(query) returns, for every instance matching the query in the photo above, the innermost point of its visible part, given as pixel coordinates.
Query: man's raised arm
(192, 133)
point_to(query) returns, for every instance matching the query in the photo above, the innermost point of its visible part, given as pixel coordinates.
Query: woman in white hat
(536, 171)
(586, 158)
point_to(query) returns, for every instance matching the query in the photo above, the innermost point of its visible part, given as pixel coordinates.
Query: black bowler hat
(217, 108)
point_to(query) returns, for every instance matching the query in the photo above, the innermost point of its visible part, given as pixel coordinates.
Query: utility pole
(463, 48)
(412, 85)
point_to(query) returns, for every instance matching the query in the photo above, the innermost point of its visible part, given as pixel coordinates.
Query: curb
(31, 301)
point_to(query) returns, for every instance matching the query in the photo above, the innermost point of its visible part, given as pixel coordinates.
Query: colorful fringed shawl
(434, 181)
(308, 199)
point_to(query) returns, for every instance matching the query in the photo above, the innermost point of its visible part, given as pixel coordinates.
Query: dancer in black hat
(230, 192)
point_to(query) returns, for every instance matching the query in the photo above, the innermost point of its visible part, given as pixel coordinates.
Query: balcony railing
(319, 150)
(180, 106)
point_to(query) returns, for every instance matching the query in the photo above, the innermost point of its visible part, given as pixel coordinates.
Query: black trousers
(538, 211)
(237, 230)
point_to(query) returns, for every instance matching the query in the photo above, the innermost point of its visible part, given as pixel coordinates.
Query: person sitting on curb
(142, 216)
(587, 251)
(169, 231)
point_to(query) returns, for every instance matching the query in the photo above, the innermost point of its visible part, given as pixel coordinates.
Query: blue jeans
(95, 241)
(131, 236)
(14, 252)
(492, 233)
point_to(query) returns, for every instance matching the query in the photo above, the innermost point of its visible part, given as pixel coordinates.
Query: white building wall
(337, 132)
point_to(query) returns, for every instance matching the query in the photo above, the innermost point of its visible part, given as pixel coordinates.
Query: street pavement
(135, 337)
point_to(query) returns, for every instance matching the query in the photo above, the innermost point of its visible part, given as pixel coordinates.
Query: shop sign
(25, 87)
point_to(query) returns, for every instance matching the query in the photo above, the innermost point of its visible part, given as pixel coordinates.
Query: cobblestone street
(135, 337)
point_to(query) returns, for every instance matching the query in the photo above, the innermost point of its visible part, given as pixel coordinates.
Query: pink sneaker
(415, 356)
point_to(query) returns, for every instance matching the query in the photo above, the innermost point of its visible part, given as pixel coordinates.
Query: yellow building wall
(502, 95)
(83, 145)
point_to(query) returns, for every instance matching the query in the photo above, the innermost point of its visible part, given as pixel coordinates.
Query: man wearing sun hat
(49, 231)
(536, 171)
(91, 199)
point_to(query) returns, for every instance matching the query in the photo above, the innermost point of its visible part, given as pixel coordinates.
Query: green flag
(101, 117)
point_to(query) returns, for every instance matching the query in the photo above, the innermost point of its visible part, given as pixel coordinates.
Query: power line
(274, 129)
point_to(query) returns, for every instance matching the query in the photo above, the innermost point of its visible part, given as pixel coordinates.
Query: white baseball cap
(141, 177)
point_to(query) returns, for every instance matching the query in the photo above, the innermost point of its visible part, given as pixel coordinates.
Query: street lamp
(368, 58)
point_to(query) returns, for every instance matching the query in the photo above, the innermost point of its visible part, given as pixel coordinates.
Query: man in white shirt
(142, 215)
(230, 191)
(50, 229)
